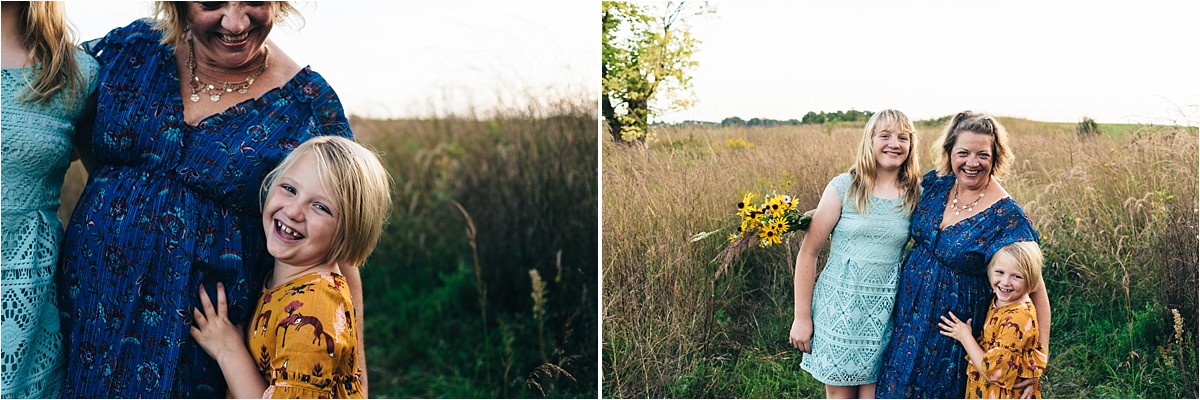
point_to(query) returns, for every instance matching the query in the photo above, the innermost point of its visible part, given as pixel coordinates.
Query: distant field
(1117, 213)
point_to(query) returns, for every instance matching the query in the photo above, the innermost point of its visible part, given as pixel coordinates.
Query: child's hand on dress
(213, 331)
(956, 329)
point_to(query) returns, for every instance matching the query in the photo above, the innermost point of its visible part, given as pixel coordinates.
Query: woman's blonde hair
(980, 123)
(862, 173)
(50, 40)
(1028, 256)
(171, 19)
(362, 191)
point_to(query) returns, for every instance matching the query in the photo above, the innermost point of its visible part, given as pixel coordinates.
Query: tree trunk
(641, 114)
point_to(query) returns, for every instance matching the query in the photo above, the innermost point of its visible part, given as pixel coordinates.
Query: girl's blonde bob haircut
(1028, 256)
(863, 172)
(171, 19)
(362, 191)
(970, 121)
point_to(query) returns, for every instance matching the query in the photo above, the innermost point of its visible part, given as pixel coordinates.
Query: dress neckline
(310, 275)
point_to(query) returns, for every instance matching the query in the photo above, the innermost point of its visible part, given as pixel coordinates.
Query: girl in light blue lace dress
(46, 82)
(843, 319)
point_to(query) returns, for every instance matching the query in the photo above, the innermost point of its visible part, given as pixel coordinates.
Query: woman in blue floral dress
(194, 108)
(963, 218)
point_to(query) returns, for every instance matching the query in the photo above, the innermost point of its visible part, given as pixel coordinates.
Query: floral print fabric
(944, 272)
(1012, 352)
(169, 207)
(303, 339)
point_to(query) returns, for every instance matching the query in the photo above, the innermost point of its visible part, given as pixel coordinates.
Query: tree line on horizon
(822, 117)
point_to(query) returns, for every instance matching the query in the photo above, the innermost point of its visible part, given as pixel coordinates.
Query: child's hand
(801, 335)
(956, 329)
(213, 331)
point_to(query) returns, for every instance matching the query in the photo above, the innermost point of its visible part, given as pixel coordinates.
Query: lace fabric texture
(855, 292)
(36, 148)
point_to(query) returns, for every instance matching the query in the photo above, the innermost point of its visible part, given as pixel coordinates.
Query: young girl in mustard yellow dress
(1009, 349)
(324, 211)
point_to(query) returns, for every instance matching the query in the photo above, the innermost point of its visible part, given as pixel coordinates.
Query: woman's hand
(801, 335)
(213, 331)
(956, 329)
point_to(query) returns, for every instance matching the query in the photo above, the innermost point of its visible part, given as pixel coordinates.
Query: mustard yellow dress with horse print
(303, 341)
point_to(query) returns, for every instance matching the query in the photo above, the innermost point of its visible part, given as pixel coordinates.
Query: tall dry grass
(1117, 215)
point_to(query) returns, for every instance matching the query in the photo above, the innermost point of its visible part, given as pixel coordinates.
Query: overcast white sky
(1114, 61)
(419, 58)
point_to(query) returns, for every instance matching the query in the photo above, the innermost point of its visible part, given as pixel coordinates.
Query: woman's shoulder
(139, 33)
(88, 66)
(309, 87)
(931, 179)
(841, 180)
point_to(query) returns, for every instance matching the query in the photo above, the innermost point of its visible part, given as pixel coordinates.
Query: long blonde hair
(862, 173)
(50, 40)
(970, 121)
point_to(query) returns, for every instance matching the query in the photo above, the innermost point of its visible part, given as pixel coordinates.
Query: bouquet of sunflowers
(763, 224)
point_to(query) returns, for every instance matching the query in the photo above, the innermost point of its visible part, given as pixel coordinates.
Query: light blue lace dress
(36, 153)
(855, 292)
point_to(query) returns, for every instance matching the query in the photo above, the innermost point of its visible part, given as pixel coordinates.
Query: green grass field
(498, 298)
(1117, 213)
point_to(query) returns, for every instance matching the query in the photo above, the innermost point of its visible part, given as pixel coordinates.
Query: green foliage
(449, 308)
(809, 118)
(645, 60)
(837, 116)
(1087, 128)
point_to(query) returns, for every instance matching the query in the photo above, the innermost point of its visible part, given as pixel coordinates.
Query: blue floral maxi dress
(853, 296)
(36, 151)
(944, 272)
(170, 206)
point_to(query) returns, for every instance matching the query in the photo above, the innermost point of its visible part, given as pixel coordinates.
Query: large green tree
(647, 55)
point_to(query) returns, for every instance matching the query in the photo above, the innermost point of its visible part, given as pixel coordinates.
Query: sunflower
(768, 235)
(746, 207)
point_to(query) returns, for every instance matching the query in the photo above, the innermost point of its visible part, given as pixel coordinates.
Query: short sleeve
(328, 114)
(1018, 353)
(107, 47)
(88, 67)
(841, 184)
(1014, 227)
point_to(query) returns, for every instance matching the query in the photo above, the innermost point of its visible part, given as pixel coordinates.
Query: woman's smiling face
(229, 34)
(971, 158)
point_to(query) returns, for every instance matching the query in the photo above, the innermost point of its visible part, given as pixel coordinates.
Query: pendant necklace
(218, 87)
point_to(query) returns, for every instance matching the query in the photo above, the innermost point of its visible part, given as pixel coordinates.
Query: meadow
(484, 282)
(1116, 211)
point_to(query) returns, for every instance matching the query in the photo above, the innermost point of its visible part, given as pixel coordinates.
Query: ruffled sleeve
(1014, 226)
(105, 48)
(327, 112)
(1016, 352)
(317, 356)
